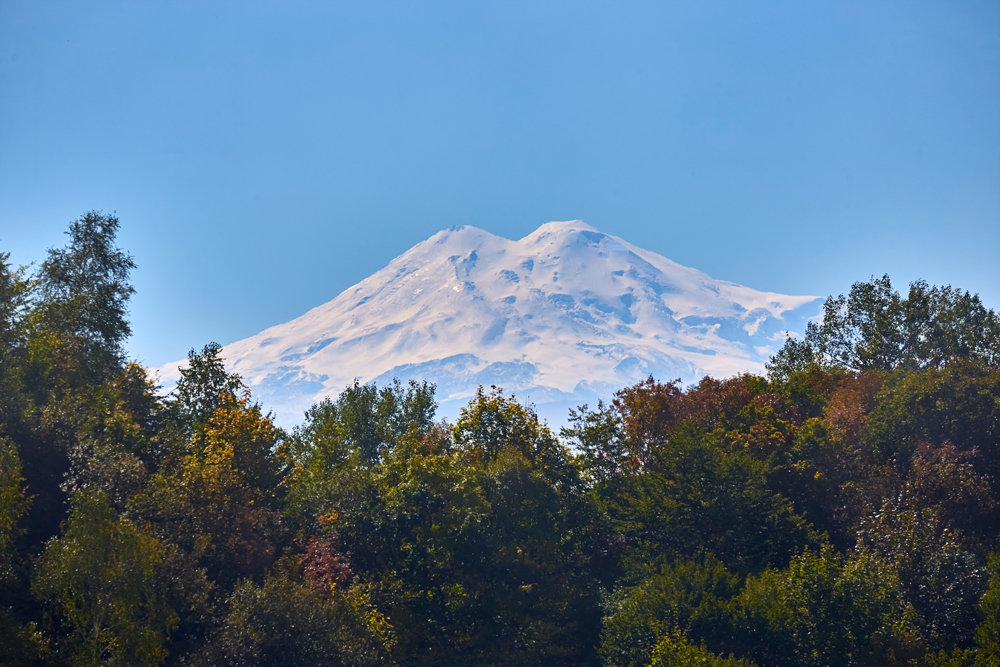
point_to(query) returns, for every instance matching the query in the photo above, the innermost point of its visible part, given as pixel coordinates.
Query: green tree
(204, 385)
(476, 550)
(825, 609)
(696, 496)
(220, 501)
(332, 455)
(76, 327)
(873, 327)
(988, 631)
(85, 290)
(493, 422)
(117, 437)
(940, 578)
(674, 649)
(15, 290)
(686, 595)
(100, 574)
(14, 503)
(597, 436)
(285, 622)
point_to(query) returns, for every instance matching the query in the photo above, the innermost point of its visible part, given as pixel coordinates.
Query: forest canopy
(845, 509)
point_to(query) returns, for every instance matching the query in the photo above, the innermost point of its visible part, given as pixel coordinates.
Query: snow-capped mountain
(563, 316)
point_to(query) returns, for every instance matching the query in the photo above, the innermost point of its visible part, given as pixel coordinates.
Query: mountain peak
(560, 227)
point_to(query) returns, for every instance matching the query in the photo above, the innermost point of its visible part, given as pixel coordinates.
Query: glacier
(564, 316)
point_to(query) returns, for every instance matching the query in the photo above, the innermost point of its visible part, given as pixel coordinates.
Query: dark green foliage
(684, 594)
(220, 501)
(285, 622)
(14, 503)
(988, 632)
(674, 649)
(825, 609)
(367, 422)
(477, 552)
(15, 290)
(597, 436)
(695, 482)
(941, 579)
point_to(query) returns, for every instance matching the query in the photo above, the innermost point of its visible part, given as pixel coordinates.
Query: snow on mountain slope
(562, 316)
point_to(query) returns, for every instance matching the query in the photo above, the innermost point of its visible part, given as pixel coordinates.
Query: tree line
(843, 509)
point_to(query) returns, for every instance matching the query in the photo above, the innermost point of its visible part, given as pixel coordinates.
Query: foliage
(219, 501)
(203, 387)
(14, 504)
(826, 609)
(286, 622)
(675, 650)
(841, 511)
(988, 632)
(84, 297)
(101, 577)
(873, 327)
(684, 594)
(696, 481)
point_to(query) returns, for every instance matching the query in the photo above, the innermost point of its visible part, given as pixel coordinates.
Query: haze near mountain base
(563, 316)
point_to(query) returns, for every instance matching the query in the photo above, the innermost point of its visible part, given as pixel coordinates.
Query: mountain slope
(562, 316)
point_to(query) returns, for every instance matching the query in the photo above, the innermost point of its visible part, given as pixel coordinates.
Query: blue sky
(262, 157)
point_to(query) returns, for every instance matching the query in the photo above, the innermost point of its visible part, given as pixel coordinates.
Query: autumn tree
(220, 500)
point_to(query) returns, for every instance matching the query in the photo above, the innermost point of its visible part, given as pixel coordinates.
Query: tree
(873, 327)
(15, 290)
(696, 496)
(492, 422)
(85, 290)
(100, 574)
(941, 579)
(14, 503)
(598, 438)
(825, 609)
(687, 595)
(220, 501)
(332, 456)
(476, 550)
(116, 441)
(205, 384)
(674, 649)
(285, 622)
(988, 631)
(76, 327)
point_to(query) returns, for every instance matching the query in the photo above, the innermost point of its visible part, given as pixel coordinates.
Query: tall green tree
(83, 305)
(826, 609)
(100, 576)
(14, 503)
(15, 292)
(204, 385)
(874, 327)
(76, 327)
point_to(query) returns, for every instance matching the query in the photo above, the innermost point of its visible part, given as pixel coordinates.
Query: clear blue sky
(262, 157)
